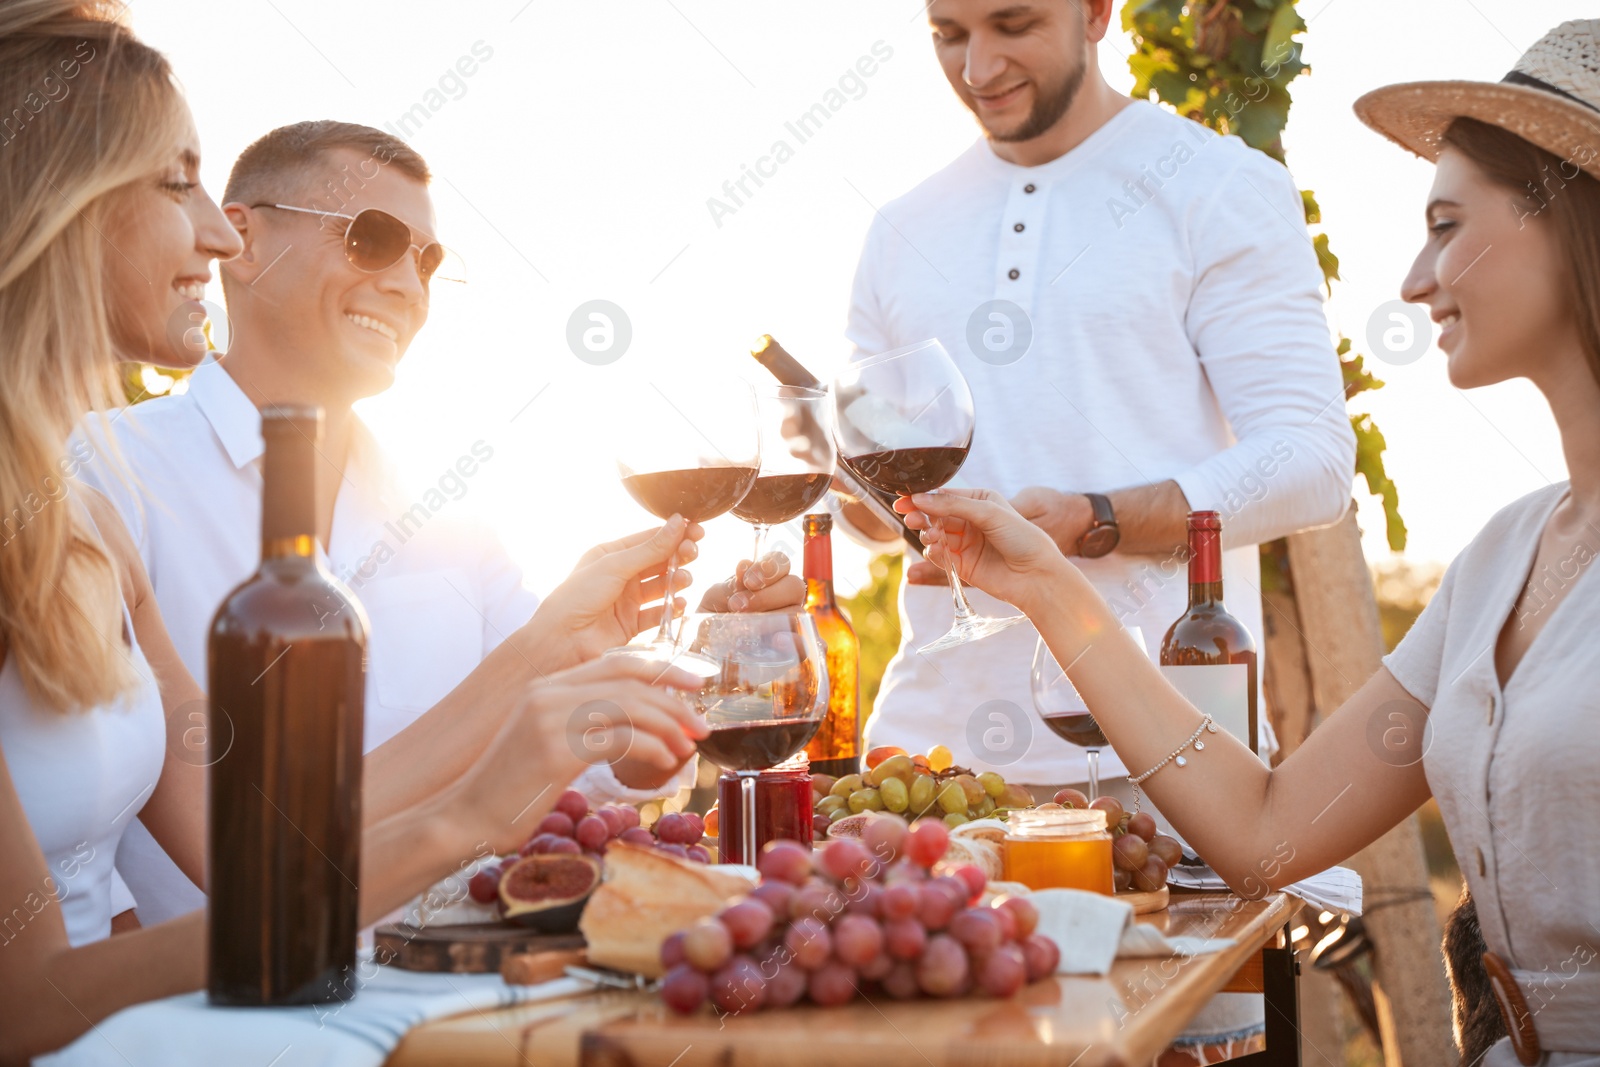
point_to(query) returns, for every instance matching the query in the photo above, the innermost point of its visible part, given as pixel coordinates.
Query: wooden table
(1125, 1018)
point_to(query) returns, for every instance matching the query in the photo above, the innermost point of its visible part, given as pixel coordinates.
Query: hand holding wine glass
(904, 421)
(619, 588)
(980, 535)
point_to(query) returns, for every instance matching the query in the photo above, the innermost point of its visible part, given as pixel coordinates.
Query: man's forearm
(437, 748)
(1152, 519)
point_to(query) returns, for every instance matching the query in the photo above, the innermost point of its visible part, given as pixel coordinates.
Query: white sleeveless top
(82, 778)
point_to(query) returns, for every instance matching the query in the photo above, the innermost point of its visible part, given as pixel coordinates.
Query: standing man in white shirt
(1137, 308)
(314, 322)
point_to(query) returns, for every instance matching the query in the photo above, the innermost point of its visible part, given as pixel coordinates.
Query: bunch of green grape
(916, 787)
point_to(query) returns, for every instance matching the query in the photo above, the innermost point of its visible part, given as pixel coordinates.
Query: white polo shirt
(438, 587)
(1162, 320)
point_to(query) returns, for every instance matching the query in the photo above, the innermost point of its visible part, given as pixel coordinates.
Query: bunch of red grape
(1140, 857)
(859, 916)
(573, 828)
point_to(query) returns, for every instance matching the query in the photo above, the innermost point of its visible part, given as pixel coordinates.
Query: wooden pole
(1287, 687)
(1338, 618)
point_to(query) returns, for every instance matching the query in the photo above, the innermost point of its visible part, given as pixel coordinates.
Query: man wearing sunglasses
(331, 287)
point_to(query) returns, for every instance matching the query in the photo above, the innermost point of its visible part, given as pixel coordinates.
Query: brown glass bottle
(1205, 635)
(287, 671)
(836, 747)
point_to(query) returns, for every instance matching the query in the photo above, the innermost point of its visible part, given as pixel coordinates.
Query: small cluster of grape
(914, 787)
(573, 828)
(1140, 857)
(864, 916)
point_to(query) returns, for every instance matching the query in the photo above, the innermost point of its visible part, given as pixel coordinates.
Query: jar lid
(1056, 821)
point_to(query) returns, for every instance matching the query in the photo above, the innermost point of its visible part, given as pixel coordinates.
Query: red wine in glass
(698, 494)
(765, 699)
(777, 498)
(1063, 709)
(755, 746)
(904, 421)
(797, 458)
(1080, 730)
(685, 447)
(905, 471)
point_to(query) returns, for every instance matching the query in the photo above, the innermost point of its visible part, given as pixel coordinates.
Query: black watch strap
(1103, 534)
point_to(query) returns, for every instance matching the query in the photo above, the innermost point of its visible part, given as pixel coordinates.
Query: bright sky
(576, 160)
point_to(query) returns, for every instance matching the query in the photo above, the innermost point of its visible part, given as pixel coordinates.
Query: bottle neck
(1205, 567)
(288, 497)
(819, 571)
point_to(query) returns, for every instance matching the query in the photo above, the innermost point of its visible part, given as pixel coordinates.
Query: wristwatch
(1103, 534)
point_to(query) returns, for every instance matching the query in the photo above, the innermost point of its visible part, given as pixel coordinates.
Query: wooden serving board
(1145, 903)
(464, 948)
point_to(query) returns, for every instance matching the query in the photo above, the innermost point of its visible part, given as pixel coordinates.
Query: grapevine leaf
(1313, 211)
(1326, 260)
(1286, 22)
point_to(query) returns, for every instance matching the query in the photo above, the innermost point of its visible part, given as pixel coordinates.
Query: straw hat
(1551, 99)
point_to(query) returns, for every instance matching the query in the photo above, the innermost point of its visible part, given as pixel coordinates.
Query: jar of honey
(1058, 848)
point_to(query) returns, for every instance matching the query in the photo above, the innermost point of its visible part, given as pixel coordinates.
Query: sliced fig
(851, 826)
(548, 891)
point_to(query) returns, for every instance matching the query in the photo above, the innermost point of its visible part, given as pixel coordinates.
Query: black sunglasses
(375, 240)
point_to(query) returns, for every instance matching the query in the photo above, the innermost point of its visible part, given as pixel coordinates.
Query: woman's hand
(603, 711)
(990, 545)
(602, 604)
(768, 587)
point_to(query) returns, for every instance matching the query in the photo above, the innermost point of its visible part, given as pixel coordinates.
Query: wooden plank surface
(1124, 1018)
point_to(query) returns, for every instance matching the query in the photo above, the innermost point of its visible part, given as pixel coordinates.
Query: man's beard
(1047, 109)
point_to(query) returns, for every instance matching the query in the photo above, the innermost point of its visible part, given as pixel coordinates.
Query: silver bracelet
(1206, 725)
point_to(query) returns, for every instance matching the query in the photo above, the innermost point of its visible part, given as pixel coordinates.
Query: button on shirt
(438, 587)
(1146, 307)
(1516, 771)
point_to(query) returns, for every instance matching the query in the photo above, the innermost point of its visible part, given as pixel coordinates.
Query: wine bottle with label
(836, 747)
(1208, 655)
(287, 671)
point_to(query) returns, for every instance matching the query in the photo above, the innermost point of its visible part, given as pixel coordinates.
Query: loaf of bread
(647, 896)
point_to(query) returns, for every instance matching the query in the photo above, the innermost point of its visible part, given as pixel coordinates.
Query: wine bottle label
(1221, 691)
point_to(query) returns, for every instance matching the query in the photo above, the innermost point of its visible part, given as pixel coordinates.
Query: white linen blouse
(1516, 771)
(81, 778)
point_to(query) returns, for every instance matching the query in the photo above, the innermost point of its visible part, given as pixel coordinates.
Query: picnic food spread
(919, 886)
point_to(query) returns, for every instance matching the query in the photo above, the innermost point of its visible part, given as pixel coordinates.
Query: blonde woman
(105, 239)
(1490, 703)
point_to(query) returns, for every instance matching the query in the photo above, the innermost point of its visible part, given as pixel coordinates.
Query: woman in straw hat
(105, 236)
(1490, 703)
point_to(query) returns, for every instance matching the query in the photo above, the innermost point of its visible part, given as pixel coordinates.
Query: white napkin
(184, 1031)
(1092, 929)
(1337, 889)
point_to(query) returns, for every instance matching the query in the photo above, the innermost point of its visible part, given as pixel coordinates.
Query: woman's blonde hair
(89, 109)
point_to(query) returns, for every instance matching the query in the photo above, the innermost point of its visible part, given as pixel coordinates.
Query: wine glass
(797, 458)
(1065, 712)
(689, 449)
(904, 422)
(766, 699)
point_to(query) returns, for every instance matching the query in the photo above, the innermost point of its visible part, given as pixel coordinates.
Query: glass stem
(761, 538)
(957, 593)
(1093, 755)
(664, 631)
(747, 817)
